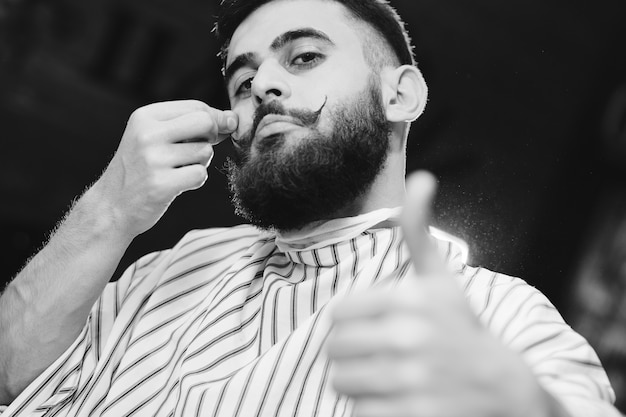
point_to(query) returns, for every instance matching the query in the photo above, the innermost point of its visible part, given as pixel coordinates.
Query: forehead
(269, 21)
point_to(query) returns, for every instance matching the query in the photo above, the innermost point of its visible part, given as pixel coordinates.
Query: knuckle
(203, 175)
(146, 137)
(150, 158)
(206, 153)
(206, 122)
(198, 175)
(138, 114)
(203, 116)
(200, 105)
(196, 154)
(159, 191)
(153, 184)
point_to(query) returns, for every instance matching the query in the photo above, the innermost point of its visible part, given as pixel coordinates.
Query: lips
(275, 123)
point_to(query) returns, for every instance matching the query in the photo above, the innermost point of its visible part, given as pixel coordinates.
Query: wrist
(99, 219)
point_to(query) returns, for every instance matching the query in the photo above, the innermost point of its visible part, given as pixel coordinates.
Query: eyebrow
(241, 61)
(296, 34)
(248, 58)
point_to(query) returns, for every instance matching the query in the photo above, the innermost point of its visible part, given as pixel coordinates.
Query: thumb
(227, 123)
(421, 188)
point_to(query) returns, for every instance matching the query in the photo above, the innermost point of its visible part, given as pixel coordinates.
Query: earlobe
(404, 93)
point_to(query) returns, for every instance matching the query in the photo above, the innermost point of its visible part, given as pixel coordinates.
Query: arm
(421, 351)
(45, 307)
(164, 151)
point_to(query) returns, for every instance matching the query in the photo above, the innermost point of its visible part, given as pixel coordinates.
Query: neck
(387, 191)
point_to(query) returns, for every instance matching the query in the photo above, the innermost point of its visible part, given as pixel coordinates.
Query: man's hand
(419, 351)
(164, 151)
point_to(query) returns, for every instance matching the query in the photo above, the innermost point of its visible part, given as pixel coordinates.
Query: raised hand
(164, 151)
(418, 350)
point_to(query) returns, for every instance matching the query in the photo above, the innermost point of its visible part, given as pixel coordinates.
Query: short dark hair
(378, 14)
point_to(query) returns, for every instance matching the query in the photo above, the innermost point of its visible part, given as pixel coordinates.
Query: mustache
(307, 117)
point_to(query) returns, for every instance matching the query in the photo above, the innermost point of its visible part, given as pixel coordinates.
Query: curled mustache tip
(310, 117)
(307, 117)
(323, 105)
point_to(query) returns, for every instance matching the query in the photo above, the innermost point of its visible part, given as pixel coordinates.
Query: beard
(285, 188)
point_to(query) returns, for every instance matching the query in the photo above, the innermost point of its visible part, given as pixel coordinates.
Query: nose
(270, 82)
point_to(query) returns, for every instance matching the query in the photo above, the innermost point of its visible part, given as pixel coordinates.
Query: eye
(307, 59)
(244, 87)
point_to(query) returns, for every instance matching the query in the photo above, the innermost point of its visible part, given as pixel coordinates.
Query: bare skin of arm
(164, 151)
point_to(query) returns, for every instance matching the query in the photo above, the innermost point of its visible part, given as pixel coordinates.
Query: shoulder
(505, 302)
(477, 280)
(216, 241)
(219, 243)
(199, 248)
(499, 300)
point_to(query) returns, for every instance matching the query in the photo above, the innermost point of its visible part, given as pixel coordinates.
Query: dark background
(525, 127)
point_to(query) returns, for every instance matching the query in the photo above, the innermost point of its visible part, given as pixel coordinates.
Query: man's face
(312, 133)
(302, 53)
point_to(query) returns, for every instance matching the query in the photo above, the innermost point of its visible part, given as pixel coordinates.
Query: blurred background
(525, 127)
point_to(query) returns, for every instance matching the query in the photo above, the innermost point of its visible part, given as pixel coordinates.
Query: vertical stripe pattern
(226, 325)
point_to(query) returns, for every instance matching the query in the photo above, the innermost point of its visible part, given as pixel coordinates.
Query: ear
(404, 93)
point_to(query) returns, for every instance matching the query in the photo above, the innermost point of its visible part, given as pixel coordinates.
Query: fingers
(396, 334)
(403, 351)
(190, 127)
(165, 150)
(409, 405)
(184, 154)
(182, 166)
(188, 178)
(378, 303)
(188, 120)
(168, 110)
(380, 375)
(212, 127)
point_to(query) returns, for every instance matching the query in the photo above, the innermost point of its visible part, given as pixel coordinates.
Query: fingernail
(231, 123)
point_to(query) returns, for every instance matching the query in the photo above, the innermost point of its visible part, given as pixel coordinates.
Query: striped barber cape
(232, 322)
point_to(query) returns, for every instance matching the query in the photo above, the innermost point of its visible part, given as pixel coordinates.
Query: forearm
(45, 307)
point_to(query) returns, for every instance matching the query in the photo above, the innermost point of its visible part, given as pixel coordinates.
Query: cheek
(332, 87)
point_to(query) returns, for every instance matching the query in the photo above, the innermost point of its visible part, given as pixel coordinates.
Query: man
(324, 307)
